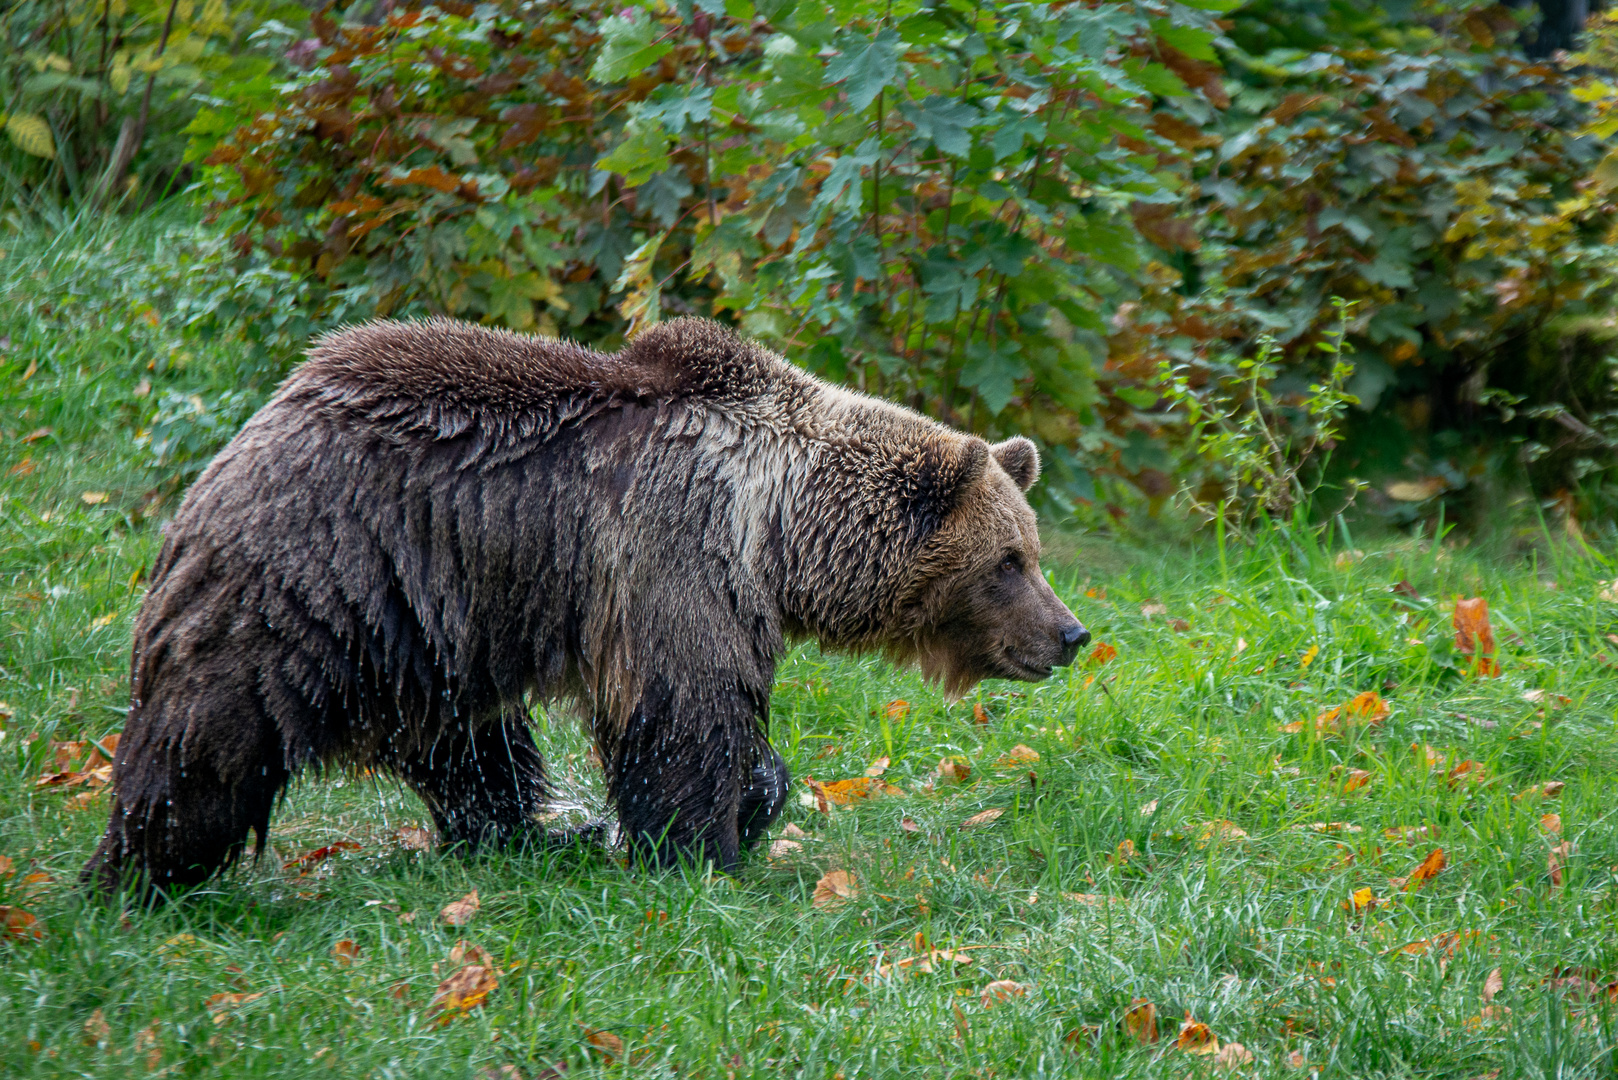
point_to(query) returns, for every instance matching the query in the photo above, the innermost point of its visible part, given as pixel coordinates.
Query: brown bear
(433, 523)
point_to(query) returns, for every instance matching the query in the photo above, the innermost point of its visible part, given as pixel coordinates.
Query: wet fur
(433, 523)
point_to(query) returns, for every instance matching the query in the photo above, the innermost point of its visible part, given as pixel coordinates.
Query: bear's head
(980, 608)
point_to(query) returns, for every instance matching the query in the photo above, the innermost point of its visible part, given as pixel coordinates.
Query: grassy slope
(721, 978)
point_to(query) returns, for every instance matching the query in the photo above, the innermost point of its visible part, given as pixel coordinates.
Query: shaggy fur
(433, 523)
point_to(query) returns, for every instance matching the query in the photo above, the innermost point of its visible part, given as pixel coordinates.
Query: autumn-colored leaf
(1411, 832)
(847, 792)
(1017, 757)
(1001, 990)
(877, 767)
(7, 867)
(462, 911)
(1473, 771)
(980, 715)
(983, 818)
(1546, 699)
(1430, 866)
(1125, 852)
(908, 824)
(1232, 1056)
(1556, 861)
(413, 838)
(345, 952)
(432, 176)
(1474, 637)
(97, 1032)
(1362, 900)
(1329, 827)
(1103, 652)
(610, 1045)
(1551, 789)
(1492, 985)
(38, 434)
(1209, 831)
(1149, 808)
(897, 709)
(220, 1006)
(784, 849)
(1140, 1021)
(1355, 779)
(1551, 823)
(311, 859)
(835, 888)
(464, 990)
(18, 925)
(953, 770)
(1196, 1037)
(1364, 708)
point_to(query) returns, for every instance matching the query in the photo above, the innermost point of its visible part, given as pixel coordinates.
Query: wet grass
(1108, 880)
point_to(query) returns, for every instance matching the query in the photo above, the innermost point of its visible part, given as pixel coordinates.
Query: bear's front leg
(681, 771)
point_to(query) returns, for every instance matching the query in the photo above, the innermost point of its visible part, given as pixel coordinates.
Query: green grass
(713, 977)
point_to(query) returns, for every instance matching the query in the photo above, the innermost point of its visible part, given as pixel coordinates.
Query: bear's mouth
(1026, 670)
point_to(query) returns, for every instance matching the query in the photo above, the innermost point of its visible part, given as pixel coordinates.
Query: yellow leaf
(1309, 656)
(31, 134)
(93, 498)
(1017, 757)
(1196, 1038)
(119, 75)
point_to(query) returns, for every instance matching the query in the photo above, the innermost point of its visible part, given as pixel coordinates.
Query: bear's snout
(1074, 637)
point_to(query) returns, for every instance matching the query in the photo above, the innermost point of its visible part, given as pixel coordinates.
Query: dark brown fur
(433, 523)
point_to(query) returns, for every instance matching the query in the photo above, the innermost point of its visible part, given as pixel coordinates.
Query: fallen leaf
(1551, 789)
(97, 1031)
(1551, 823)
(1445, 943)
(1415, 491)
(610, 1045)
(1179, 626)
(146, 1043)
(1103, 652)
(1411, 832)
(1329, 827)
(1153, 608)
(1362, 900)
(1296, 1060)
(1228, 831)
(462, 911)
(1125, 852)
(792, 832)
(1017, 757)
(310, 859)
(983, 818)
(1233, 1056)
(37, 434)
(846, 792)
(345, 952)
(1549, 700)
(1356, 779)
(462, 991)
(1148, 809)
(1492, 985)
(784, 849)
(414, 838)
(908, 824)
(834, 888)
(93, 498)
(1140, 1021)
(877, 767)
(1308, 656)
(220, 1005)
(1404, 588)
(7, 868)
(1001, 990)
(1092, 899)
(1430, 866)
(1467, 770)
(1366, 707)
(1474, 637)
(953, 770)
(1556, 860)
(1195, 1037)
(1345, 559)
(25, 467)
(980, 715)
(1085, 1035)
(898, 709)
(18, 925)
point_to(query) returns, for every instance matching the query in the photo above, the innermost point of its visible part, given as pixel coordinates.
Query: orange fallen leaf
(980, 715)
(847, 792)
(1085, 1035)
(6, 866)
(983, 818)
(1356, 779)
(463, 991)
(462, 911)
(1446, 943)
(1196, 1037)
(1467, 770)
(1551, 823)
(1363, 708)
(1140, 1021)
(25, 467)
(1308, 656)
(953, 770)
(897, 709)
(1103, 652)
(1017, 757)
(1474, 637)
(835, 888)
(18, 925)
(1430, 866)
(345, 952)
(220, 1005)
(311, 859)
(1125, 852)
(147, 1044)
(610, 1045)
(1362, 900)
(1001, 990)
(37, 434)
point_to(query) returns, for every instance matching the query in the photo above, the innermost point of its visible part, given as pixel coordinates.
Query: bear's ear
(1020, 459)
(943, 471)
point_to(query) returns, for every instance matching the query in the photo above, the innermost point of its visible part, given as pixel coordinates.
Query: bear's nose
(1075, 636)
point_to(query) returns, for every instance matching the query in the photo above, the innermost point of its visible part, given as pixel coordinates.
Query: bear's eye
(1011, 564)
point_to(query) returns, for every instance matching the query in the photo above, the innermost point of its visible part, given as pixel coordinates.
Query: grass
(1078, 894)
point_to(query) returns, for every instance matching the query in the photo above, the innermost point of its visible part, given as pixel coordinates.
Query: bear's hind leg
(482, 784)
(764, 796)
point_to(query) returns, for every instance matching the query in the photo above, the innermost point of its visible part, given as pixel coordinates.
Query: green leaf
(993, 372)
(946, 123)
(628, 46)
(865, 66)
(636, 158)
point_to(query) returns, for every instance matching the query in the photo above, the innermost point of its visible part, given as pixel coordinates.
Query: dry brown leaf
(7, 868)
(462, 911)
(1233, 1056)
(1551, 789)
(345, 952)
(97, 1031)
(610, 1045)
(1296, 1060)
(953, 770)
(146, 1044)
(980, 715)
(93, 498)
(311, 859)
(877, 767)
(1363, 708)
(413, 838)
(1430, 866)
(1473, 771)
(466, 952)
(1085, 1035)
(1148, 809)
(983, 818)
(908, 824)
(1551, 823)
(1355, 779)
(1411, 832)
(835, 888)
(792, 832)
(1140, 1021)
(1093, 899)
(18, 925)
(1545, 699)
(784, 849)
(1492, 985)
(1556, 860)
(1474, 637)
(220, 1005)
(1228, 831)
(1017, 757)
(1195, 1037)
(462, 992)
(1153, 608)
(1001, 990)
(1445, 943)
